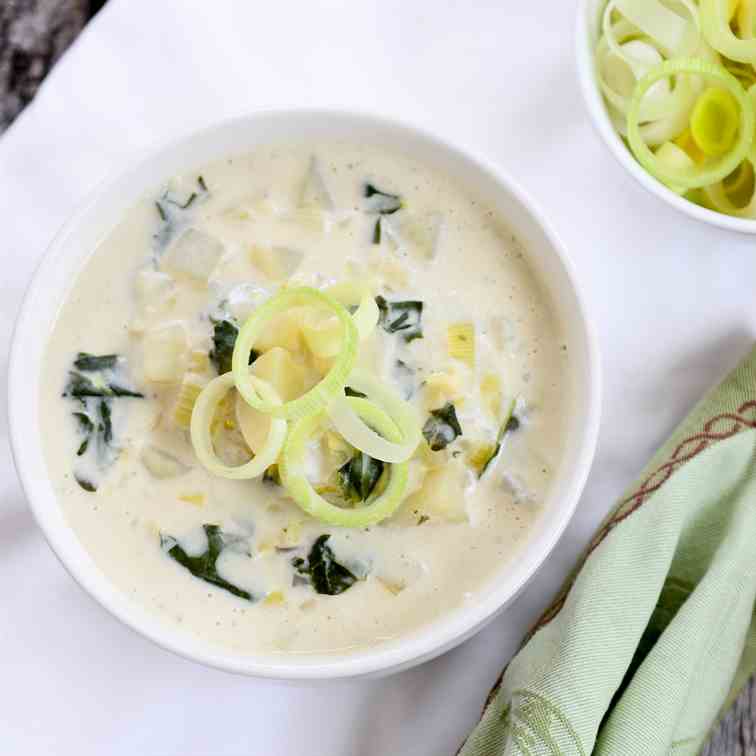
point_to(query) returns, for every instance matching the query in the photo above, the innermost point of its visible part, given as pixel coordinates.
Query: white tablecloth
(673, 300)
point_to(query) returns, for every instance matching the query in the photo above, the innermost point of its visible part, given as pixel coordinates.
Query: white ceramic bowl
(588, 33)
(76, 242)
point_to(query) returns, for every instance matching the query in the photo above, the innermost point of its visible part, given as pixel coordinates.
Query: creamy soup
(463, 334)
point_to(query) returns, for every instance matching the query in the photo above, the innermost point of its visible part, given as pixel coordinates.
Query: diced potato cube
(277, 367)
(254, 425)
(153, 287)
(154, 293)
(277, 263)
(193, 255)
(390, 271)
(314, 192)
(418, 234)
(322, 334)
(165, 353)
(422, 232)
(291, 536)
(442, 496)
(161, 464)
(283, 331)
(442, 387)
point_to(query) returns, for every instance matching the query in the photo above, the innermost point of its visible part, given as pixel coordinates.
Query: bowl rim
(594, 102)
(418, 646)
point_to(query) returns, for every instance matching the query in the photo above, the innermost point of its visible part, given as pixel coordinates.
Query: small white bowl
(588, 33)
(78, 239)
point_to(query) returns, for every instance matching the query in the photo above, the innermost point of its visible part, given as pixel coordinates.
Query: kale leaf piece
(404, 318)
(359, 476)
(322, 570)
(94, 382)
(225, 333)
(204, 566)
(442, 427)
(95, 375)
(173, 213)
(380, 203)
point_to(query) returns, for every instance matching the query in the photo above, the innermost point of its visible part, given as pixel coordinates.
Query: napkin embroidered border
(717, 428)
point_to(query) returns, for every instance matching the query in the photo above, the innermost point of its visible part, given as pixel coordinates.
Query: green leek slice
(675, 157)
(360, 296)
(292, 471)
(660, 23)
(692, 176)
(714, 121)
(746, 15)
(327, 388)
(203, 413)
(715, 25)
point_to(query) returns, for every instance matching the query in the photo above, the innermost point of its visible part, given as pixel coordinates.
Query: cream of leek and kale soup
(308, 399)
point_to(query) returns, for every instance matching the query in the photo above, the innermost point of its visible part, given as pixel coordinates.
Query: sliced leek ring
(715, 25)
(327, 388)
(714, 121)
(693, 175)
(361, 436)
(203, 413)
(360, 296)
(292, 470)
(661, 24)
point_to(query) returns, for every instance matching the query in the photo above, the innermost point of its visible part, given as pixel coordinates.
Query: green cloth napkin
(653, 635)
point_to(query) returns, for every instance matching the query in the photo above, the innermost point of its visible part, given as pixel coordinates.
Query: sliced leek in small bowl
(671, 89)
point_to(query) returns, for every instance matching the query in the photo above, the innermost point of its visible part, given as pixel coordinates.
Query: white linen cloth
(673, 300)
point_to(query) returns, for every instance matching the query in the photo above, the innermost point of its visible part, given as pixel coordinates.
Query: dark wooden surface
(33, 35)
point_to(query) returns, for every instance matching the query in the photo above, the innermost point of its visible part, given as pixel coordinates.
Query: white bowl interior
(79, 238)
(588, 34)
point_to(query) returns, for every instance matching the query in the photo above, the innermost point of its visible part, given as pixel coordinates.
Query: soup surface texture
(466, 336)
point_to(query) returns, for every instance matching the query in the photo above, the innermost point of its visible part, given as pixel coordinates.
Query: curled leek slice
(323, 391)
(714, 121)
(202, 418)
(692, 176)
(721, 200)
(664, 26)
(360, 435)
(322, 332)
(715, 25)
(746, 10)
(360, 296)
(675, 157)
(292, 470)
(617, 78)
